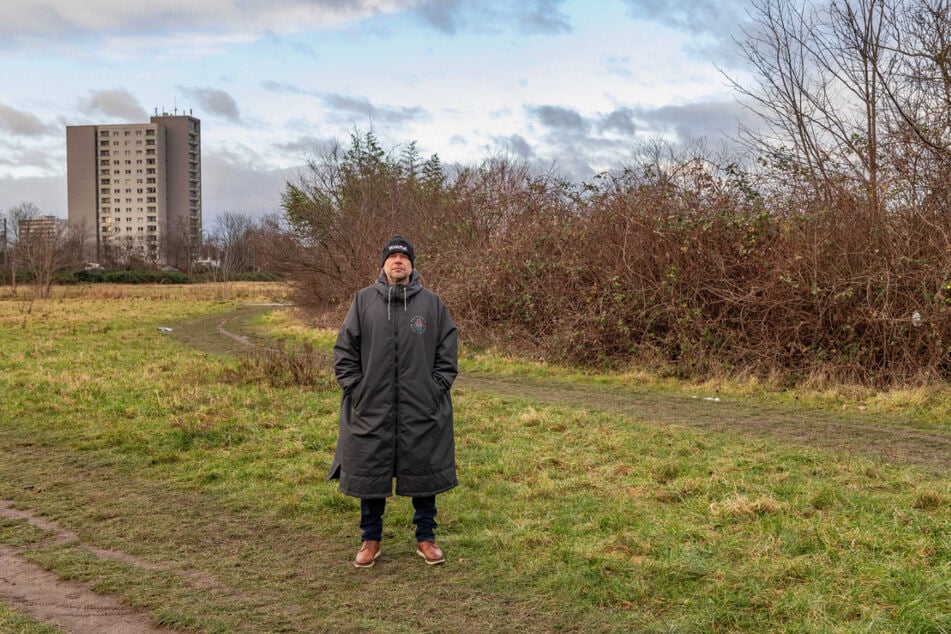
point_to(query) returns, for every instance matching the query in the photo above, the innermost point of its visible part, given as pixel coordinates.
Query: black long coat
(396, 359)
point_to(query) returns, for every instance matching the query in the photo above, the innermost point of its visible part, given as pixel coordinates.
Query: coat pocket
(356, 396)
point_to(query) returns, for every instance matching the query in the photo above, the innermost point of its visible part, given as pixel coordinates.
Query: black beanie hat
(399, 244)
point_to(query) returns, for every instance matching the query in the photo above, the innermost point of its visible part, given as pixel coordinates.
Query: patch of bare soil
(71, 605)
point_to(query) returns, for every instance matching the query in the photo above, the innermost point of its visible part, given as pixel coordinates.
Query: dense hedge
(684, 266)
(833, 292)
(141, 276)
(122, 276)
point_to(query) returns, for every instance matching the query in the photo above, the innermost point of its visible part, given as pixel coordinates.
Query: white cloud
(518, 146)
(24, 159)
(529, 16)
(283, 87)
(307, 147)
(45, 18)
(117, 103)
(712, 25)
(22, 123)
(717, 19)
(359, 109)
(711, 119)
(215, 102)
(558, 118)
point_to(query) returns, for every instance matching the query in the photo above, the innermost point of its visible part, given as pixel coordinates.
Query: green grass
(13, 621)
(566, 520)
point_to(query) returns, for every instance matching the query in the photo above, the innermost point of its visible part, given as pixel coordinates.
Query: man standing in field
(395, 358)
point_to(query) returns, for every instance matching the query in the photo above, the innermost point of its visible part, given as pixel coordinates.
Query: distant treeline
(139, 276)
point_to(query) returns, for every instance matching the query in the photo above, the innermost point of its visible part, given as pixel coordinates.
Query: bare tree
(919, 98)
(12, 249)
(855, 95)
(818, 75)
(7, 253)
(122, 250)
(234, 238)
(857, 60)
(183, 244)
(44, 245)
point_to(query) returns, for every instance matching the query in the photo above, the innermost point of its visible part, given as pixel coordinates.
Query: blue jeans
(424, 517)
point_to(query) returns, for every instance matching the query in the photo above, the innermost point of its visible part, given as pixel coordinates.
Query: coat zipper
(396, 389)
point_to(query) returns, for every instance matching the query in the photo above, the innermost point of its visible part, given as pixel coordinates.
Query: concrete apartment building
(135, 188)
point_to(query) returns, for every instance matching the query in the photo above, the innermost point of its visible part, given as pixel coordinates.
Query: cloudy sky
(573, 85)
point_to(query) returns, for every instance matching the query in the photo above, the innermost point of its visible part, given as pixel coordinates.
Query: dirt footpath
(73, 606)
(890, 439)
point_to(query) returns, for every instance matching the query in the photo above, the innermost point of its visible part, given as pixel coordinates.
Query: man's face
(397, 268)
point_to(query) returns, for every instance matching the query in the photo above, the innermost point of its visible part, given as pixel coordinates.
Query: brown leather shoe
(430, 552)
(367, 555)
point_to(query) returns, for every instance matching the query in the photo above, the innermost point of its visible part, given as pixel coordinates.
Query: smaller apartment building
(48, 228)
(136, 188)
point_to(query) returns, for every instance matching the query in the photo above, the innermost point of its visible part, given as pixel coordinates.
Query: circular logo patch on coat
(418, 324)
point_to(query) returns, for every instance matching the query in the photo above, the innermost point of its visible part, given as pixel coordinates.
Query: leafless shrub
(285, 366)
(676, 261)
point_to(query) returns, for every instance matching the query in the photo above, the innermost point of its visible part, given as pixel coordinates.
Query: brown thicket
(675, 263)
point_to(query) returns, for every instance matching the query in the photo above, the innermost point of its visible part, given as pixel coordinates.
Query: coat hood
(397, 294)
